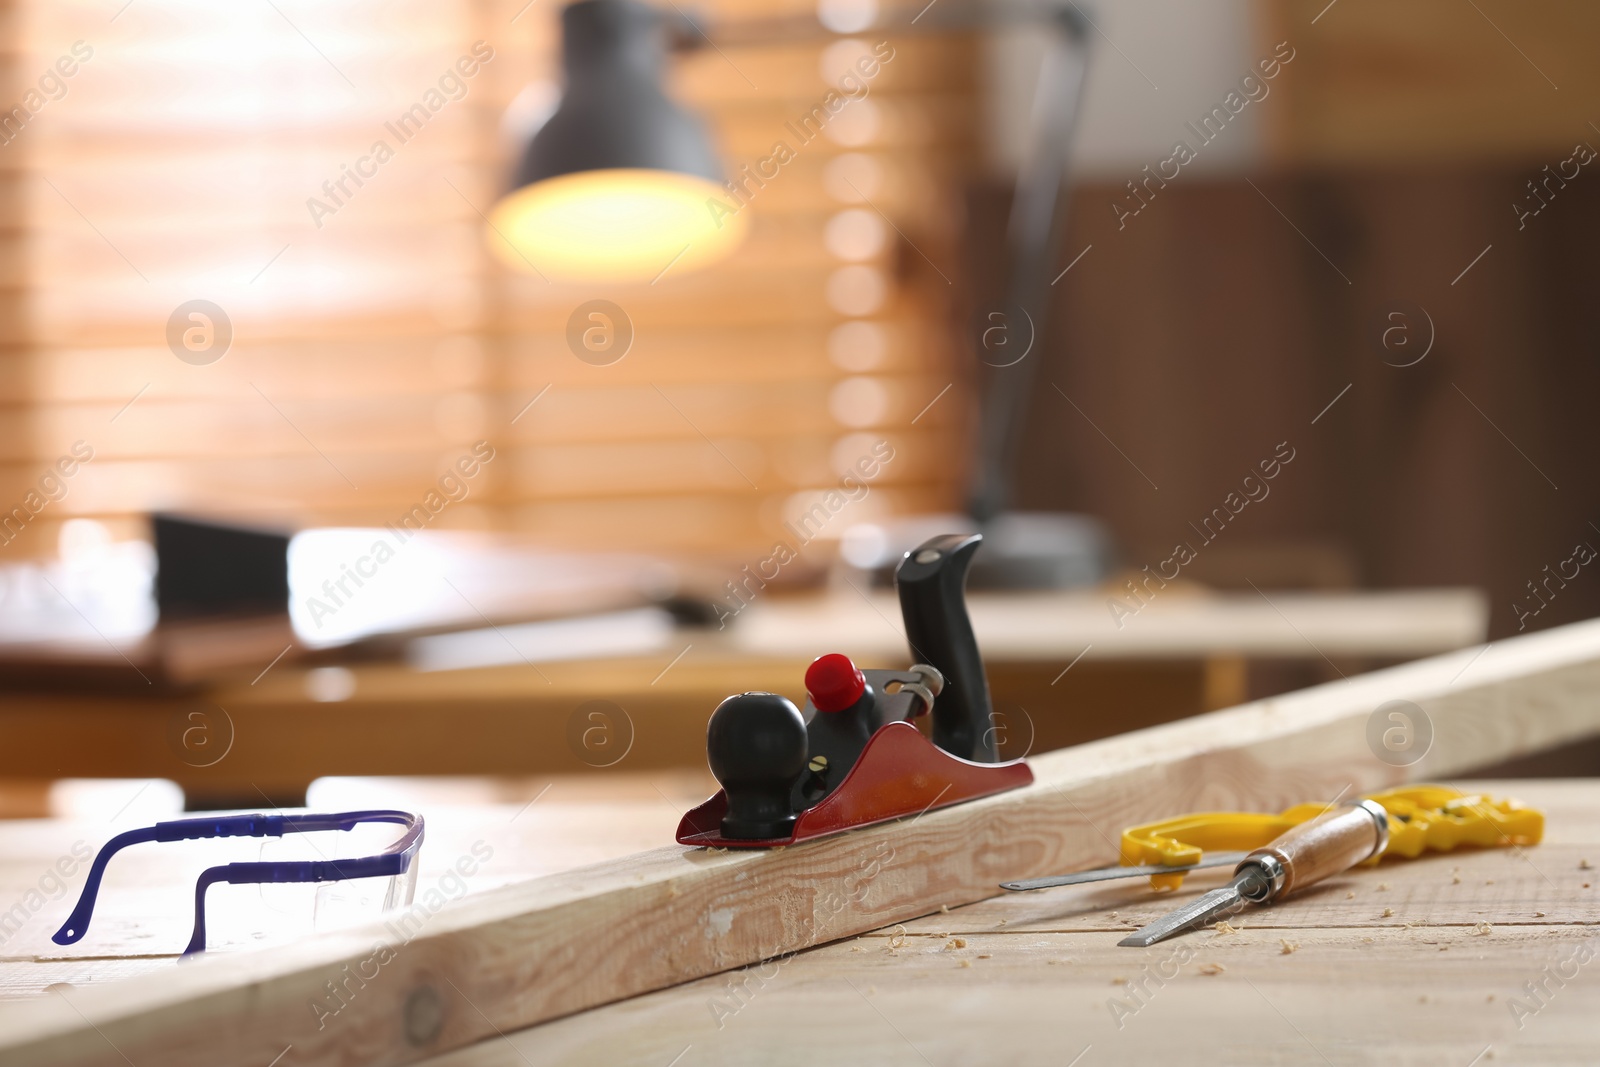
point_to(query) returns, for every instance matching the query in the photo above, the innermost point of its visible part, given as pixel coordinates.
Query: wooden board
(558, 945)
(1387, 966)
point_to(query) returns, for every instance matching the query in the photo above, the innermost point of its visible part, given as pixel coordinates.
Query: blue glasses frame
(395, 860)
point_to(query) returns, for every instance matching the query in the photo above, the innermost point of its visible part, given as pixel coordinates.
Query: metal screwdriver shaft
(1334, 841)
(1106, 874)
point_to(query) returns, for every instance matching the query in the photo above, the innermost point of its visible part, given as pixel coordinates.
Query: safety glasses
(397, 862)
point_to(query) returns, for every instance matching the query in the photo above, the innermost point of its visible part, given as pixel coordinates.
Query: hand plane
(854, 755)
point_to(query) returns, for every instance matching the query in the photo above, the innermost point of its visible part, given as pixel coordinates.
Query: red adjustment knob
(834, 683)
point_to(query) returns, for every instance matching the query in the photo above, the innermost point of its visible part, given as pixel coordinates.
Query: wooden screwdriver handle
(1334, 841)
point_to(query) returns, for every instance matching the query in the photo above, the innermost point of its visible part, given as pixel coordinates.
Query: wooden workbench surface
(1418, 962)
(1027, 978)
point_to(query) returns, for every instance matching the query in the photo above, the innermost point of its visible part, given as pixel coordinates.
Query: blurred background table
(1061, 670)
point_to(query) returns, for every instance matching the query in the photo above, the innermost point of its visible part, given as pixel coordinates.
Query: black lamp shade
(614, 113)
(621, 183)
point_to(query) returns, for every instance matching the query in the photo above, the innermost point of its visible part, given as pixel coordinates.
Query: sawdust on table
(1211, 969)
(1289, 947)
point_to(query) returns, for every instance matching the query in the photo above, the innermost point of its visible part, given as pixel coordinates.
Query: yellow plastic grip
(1423, 818)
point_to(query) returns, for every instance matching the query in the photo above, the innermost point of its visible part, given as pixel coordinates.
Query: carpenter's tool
(853, 756)
(1106, 874)
(1422, 818)
(1332, 842)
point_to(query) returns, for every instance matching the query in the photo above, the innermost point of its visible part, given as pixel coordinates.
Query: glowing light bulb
(620, 225)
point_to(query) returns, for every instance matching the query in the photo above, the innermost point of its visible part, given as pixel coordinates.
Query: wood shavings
(956, 942)
(1223, 926)
(1212, 969)
(1538, 915)
(1583, 865)
(1483, 929)
(1350, 895)
(1455, 879)
(1382, 886)
(1388, 913)
(897, 937)
(964, 963)
(1119, 980)
(985, 956)
(1288, 947)
(944, 909)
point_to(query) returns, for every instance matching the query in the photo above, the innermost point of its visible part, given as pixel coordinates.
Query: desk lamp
(614, 186)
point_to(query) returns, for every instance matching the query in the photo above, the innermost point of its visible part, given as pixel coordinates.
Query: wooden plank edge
(532, 952)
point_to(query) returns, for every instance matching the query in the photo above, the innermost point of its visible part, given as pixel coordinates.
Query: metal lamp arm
(1033, 234)
(1037, 210)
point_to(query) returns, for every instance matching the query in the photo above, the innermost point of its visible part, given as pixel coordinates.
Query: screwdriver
(1334, 841)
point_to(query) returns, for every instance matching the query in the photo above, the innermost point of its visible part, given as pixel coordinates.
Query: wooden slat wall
(368, 353)
(1430, 81)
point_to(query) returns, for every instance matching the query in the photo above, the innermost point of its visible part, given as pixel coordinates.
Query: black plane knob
(756, 745)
